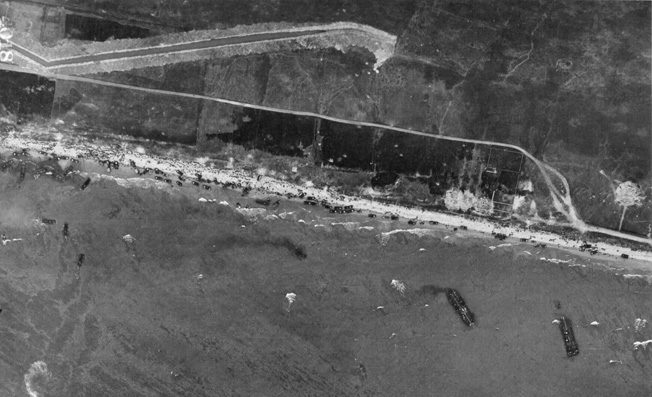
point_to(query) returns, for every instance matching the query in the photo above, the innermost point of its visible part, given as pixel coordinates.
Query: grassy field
(195, 305)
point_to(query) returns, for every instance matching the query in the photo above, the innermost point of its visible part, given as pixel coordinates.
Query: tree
(628, 194)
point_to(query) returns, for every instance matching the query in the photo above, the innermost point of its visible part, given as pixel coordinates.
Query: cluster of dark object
(334, 209)
(588, 247)
(499, 236)
(204, 183)
(162, 176)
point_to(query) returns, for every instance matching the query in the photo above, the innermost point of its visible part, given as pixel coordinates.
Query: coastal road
(561, 196)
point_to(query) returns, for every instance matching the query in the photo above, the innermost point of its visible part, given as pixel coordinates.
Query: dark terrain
(136, 319)
(195, 305)
(569, 81)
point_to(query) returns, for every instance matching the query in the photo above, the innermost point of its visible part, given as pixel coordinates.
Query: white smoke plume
(398, 285)
(290, 297)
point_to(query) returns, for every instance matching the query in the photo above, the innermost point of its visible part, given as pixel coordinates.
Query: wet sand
(196, 304)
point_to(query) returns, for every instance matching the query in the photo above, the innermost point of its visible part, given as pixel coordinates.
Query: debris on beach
(594, 323)
(615, 361)
(500, 236)
(588, 247)
(643, 344)
(390, 215)
(311, 200)
(556, 321)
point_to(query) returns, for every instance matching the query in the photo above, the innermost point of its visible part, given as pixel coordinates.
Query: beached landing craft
(566, 328)
(455, 299)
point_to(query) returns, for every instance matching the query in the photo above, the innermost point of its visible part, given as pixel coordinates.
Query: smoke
(431, 290)
(38, 370)
(296, 249)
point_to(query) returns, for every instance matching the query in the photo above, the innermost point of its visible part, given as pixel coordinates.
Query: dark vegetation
(100, 109)
(204, 14)
(567, 81)
(25, 96)
(95, 29)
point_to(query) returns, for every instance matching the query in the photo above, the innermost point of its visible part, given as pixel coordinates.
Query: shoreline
(266, 185)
